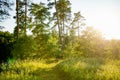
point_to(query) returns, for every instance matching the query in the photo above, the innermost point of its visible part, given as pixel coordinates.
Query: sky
(103, 15)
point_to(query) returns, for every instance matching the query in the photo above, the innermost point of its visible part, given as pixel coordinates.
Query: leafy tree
(56, 17)
(39, 16)
(53, 45)
(64, 14)
(88, 43)
(24, 47)
(78, 22)
(112, 49)
(21, 17)
(39, 25)
(61, 17)
(75, 26)
(6, 44)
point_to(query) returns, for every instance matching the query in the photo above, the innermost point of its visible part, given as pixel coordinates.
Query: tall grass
(68, 69)
(90, 69)
(27, 70)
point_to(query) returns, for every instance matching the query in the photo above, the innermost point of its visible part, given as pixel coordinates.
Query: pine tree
(21, 17)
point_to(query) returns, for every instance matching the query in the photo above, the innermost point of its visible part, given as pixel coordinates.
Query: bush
(6, 44)
(24, 47)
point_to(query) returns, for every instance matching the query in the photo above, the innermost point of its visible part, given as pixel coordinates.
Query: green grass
(68, 69)
(90, 69)
(29, 70)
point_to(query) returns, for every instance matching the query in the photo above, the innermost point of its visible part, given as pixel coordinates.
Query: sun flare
(106, 21)
(101, 14)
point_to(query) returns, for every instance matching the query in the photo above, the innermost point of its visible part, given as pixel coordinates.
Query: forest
(60, 47)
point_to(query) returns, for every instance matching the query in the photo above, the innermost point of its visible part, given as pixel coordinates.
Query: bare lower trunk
(25, 17)
(60, 39)
(17, 16)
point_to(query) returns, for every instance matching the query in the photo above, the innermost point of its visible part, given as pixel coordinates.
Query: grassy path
(48, 73)
(71, 69)
(31, 70)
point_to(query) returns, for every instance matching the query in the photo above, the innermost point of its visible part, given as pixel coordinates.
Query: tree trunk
(17, 16)
(60, 39)
(25, 17)
(78, 30)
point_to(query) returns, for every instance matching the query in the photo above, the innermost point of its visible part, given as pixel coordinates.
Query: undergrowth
(90, 69)
(67, 69)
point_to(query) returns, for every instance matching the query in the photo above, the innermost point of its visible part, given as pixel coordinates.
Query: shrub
(24, 47)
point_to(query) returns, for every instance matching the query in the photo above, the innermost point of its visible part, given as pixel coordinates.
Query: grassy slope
(90, 69)
(69, 69)
(30, 70)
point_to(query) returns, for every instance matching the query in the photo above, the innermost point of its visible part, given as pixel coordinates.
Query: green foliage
(39, 16)
(72, 50)
(53, 47)
(112, 49)
(24, 47)
(89, 69)
(86, 44)
(47, 46)
(39, 25)
(91, 42)
(21, 17)
(28, 70)
(64, 9)
(88, 56)
(68, 69)
(6, 44)
(41, 41)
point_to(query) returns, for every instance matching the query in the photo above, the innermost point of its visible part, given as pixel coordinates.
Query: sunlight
(103, 15)
(110, 21)
(106, 20)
